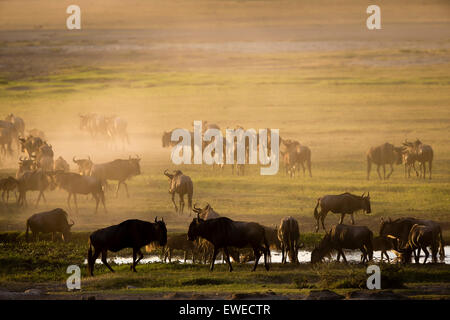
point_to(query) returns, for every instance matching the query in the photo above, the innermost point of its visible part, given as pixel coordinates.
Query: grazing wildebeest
(119, 170)
(179, 242)
(223, 233)
(84, 166)
(129, 234)
(382, 155)
(341, 237)
(423, 154)
(25, 165)
(401, 228)
(61, 165)
(35, 180)
(75, 183)
(18, 123)
(50, 221)
(345, 203)
(180, 184)
(31, 145)
(289, 236)
(421, 237)
(8, 185)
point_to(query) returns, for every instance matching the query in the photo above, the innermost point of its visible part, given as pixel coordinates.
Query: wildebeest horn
(195, 206)
(198, 215)
(21, 159)
(167, 174)
(70, 225)
(162, 219)
(363, 194)
(368, 194)
(73, 159)
(156, 219)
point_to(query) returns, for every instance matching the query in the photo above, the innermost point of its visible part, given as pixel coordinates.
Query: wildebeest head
(135, 165)
(166, 137)
(399, 154)
(193, 232)
(172, 180)
(366, 201)
(67, 235)
(322, 249)
(161, 231)
(26, 164)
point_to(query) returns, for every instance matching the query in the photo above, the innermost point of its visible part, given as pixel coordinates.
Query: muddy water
(303, 256)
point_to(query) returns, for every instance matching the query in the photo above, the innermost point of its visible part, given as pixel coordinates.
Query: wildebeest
(423, 154)
(400, 229)
(6, 139)
(409, 159)
(18, 123)
(44, 157)
(295, 155)
(84, 165)
(8, 185)
(341, 237)
(223, 233)
(420, 237)
(75, 183)
(382, 155)
(180, 184)
(31, 145)
(345, 203)
(117, 129)
(36, 180)
(119, 170)
(24, 166)
(289, 236)
(179, 242)
(50, 221)
(382, 244)
(129, 234)
(61, 165)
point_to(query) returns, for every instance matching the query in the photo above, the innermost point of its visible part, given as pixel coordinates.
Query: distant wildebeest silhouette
(35, 180)
(295, 155)
(49, 222)
(423, 154)
(180, 184)
(345, 203)
(382, 155)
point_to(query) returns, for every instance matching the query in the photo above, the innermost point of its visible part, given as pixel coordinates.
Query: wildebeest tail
(316, 213)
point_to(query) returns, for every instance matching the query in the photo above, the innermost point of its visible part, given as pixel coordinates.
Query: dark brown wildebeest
(36, 180)
(223, 233)
(345, 203)
(400, 229)
(421, 237)
(179, 242)
(382, 155)
(382, 244)
(84, 165)
(24, 166)
(61, 165)
(341, 237)
(50, 221)
(18, 124)
(31, 145)
(180, 184)
(129, 234)
(8, 185)
(119, 170)
(423, 154)
(75, 183)
(289, 236)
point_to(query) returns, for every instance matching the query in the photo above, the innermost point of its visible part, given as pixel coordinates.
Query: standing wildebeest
(6, 186)
(223, 233)
(401, 228)
(179, 242)
(49, 221)
(36, 180)
(117, 129)
(61, 165)
(423, 153)
(295, 155)
(6, 139)
(84, 165)
(25, 165)
(18, 123)
(119, 170)
(341, 237)
(421, 237)
(409, 159)
(382, 155)
(345, 203)
(75, 184)
(289, 236)
(382, 244)
(44, 157)
(31, 145)
(129, 234)
(181, 184)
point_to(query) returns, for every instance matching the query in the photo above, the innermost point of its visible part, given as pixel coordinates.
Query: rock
(324, 295)
(375, 295)
(131, 287)
(33, 292)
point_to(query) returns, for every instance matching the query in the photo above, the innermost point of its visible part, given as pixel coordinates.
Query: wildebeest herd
(209, 233)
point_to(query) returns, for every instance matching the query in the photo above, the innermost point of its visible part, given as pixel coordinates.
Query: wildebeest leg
(39, 198)
(341, 220)
(228, 258)
(173, 200)
(392, 170)
(126, 188)
(118, 188)
(353, 220)
(303, 167)
(424, 169)
(341, 252)
(75, 201)
(429, 167)
(181, 203)
(426, 254)
(416, 255)
(257, 254)
(378, 171)
(323, 220)
(283, 260)
(384, 171)
(213, 258)
(92, 262)
(68, 201)
(105, 262)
